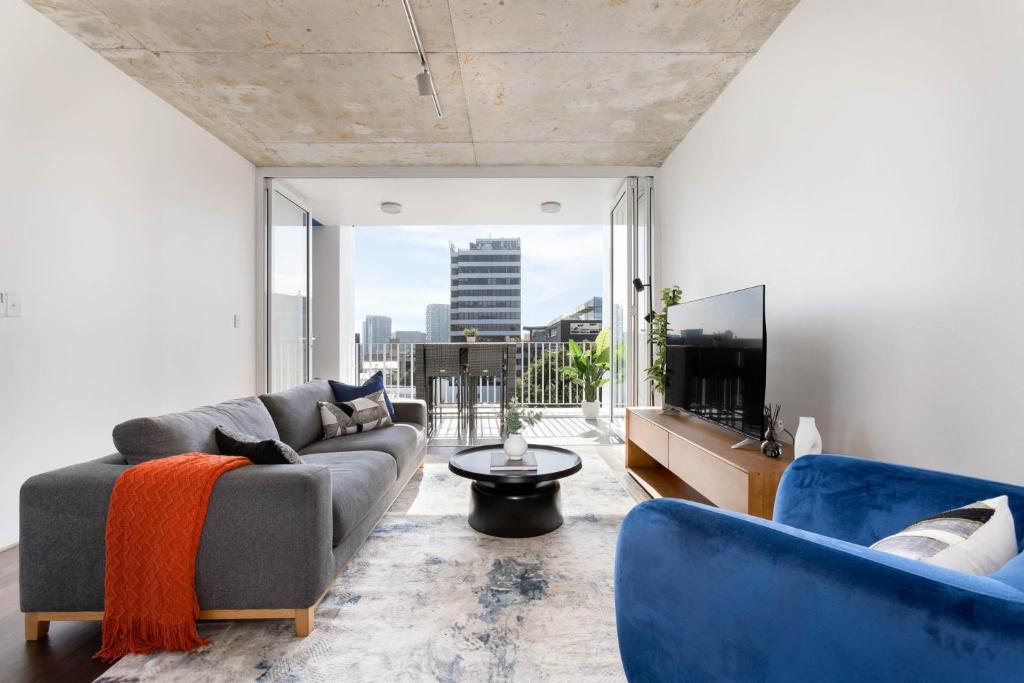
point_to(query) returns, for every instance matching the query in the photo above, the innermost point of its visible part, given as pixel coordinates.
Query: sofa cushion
(401, 441)
(260, 451)
(358, 480)
(351, 417)
(349, 392)
(296, 413)
(147, 438)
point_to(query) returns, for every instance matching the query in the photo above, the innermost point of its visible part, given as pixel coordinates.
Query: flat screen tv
(716, 360)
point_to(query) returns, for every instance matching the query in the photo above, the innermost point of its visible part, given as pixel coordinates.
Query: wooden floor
(65, 655)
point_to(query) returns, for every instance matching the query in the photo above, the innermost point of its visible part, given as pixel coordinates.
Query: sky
(401, 269)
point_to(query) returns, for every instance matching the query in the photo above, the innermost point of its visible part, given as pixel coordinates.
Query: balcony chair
(703, 594)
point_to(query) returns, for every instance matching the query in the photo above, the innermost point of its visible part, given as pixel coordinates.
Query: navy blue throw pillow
(349, 392)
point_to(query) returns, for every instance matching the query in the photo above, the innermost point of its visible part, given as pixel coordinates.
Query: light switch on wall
(13, 305)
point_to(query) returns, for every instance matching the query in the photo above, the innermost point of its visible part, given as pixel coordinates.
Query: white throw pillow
(977, 539)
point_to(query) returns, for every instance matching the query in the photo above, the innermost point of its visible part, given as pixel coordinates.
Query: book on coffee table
(501, 463)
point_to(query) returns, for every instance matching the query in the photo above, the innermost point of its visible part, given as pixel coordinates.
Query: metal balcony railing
(540, 380)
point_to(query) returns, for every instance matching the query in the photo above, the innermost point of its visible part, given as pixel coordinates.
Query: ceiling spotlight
(424, 81)
(551, 207)
(391, 207)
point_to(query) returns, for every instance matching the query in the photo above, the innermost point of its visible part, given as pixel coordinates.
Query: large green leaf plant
(588, 368)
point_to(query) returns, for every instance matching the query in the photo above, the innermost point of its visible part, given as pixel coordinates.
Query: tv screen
(716, 359)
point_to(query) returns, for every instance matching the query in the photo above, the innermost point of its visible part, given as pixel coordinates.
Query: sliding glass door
(629, 260)
(289, 275)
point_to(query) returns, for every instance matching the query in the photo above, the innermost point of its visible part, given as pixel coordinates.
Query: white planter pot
(807, 440)
(591, 409)
(470, 340)
(515, 446)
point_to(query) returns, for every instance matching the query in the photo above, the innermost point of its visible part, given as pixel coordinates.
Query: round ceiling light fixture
(551, 207)
(391, 207)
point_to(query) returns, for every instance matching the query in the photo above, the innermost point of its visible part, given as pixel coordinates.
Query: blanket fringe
(141, 636)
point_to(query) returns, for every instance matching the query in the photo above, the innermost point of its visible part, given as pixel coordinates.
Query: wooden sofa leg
(304, 621)
(35, 628)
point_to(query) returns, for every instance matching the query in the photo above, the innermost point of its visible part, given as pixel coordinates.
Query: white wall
(128, 231)
(868, 166)
(333, 304)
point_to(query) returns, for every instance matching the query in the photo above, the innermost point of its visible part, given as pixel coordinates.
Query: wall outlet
(13, 305)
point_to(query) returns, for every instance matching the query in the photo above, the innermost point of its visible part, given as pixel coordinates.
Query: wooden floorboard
(64, 655)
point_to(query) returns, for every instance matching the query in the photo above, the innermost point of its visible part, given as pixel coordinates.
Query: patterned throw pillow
(978, 538)
(358, 415)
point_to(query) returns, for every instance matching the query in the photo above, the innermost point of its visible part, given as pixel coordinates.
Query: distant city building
(583, 323)
(438, 323)
(409, 336)
(376, 329)
(486, 289)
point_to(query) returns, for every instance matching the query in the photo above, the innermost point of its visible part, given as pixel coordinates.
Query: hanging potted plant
(589, 369)
(470, 334)
(657, 334)
(516, 420)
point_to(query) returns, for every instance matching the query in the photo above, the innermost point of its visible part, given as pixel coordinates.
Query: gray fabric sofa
(275, 535)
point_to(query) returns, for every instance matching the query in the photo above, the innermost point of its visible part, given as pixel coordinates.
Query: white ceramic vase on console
(807, 440)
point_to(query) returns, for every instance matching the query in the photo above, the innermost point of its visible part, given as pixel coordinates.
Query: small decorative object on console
(771, 446)
(807, 440)
(470, 334)
(516, 419)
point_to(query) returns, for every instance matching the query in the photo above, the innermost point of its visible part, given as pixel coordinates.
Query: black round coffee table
(515, 504)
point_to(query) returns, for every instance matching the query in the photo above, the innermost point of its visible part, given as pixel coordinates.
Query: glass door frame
(265, 305)
(637, 193)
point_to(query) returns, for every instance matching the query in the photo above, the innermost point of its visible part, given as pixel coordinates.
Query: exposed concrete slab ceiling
(332, 82)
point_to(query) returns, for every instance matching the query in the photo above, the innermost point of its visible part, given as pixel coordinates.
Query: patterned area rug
(427, 598)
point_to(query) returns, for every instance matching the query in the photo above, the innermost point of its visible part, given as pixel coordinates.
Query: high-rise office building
(376, 329)
(409, 336)
(486, 289)
(438, 323)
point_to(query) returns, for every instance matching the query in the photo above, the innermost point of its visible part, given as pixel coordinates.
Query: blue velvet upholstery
(702, 594)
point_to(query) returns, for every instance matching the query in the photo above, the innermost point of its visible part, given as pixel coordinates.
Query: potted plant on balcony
(470, 333)
(589, 369)
(517, 419)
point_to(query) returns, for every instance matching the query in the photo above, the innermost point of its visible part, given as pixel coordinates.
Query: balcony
(540, 384)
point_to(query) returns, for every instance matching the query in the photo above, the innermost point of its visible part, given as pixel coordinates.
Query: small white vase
(591, 409)
(470, 340)
(807, 440)
(515, 446)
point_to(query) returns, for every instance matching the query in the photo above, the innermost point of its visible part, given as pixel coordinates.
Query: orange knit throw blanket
(154, 525)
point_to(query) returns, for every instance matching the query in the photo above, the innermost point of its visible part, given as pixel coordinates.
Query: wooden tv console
(678, 456)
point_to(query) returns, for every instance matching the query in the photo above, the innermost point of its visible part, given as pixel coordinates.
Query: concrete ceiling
(521, 82)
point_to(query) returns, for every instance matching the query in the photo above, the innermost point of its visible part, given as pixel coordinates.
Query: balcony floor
(559, 427)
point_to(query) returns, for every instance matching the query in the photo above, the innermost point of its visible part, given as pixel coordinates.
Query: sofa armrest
(862, 501)
(703, 594)
(266, 542)
(410, 410)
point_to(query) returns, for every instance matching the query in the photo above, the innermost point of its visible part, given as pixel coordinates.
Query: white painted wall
(867, 165)
(333, 304)
(128, 231)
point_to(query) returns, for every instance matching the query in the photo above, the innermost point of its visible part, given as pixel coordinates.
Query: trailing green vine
(656, 335)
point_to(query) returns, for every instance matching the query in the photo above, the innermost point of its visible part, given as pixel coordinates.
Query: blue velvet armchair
(702, 594)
